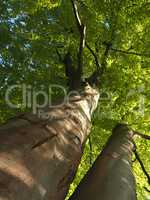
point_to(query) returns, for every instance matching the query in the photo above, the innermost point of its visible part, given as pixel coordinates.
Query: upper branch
(95, 76)
(59, 56)
(106, 53)
(81, 47)
(142, 165)
(131, 52)
(146, 189)
(76, 13)
(147, 137)
(82, 32)
(94, 55)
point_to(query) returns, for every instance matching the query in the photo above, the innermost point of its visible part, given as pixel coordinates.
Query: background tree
(111, 175)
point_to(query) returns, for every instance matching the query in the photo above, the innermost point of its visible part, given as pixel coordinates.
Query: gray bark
(39, 157)
(111, 176)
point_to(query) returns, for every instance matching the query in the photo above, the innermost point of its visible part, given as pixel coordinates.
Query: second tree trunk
(111, 176)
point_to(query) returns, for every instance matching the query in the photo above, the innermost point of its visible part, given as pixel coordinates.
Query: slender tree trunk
(39, 157)
(111, 176)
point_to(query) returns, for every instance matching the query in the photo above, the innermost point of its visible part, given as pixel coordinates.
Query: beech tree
(71, 43)
(111, 175)
(38, 156)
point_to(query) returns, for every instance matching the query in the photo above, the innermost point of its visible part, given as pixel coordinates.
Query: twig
(97, 74)
(59, 55)
(134, 160)
(112, 37)
(106, 53)
(100, 66)
(130, 52)
(147, 190)
(94, 55)
(142, 165)
(91, 154)
(147, 137)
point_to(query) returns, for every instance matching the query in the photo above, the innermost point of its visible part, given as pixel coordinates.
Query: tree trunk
(39, 157)
(111, 176)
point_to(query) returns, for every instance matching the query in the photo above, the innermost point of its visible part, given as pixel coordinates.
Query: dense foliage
(31, 33)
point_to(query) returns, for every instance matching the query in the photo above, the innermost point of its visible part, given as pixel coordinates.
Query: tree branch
(94, 55)
(91, 150)
(130, 52)
(95, 77)
(147, 190)
(100, 66)
(107, 49)
(134, 160)
(142, 165)
(76, 14)
(80, 53)
(82, 31)
(147, 137)
(59, 56)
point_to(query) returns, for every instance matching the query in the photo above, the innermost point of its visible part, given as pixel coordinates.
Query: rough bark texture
(111, 176)
(39, 157)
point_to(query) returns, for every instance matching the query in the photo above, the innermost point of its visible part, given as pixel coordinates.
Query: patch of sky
(51, 19)
(31, 65)
(27, 46)
(12, 21)
(106, 24)
(18, 18)
(1, 60)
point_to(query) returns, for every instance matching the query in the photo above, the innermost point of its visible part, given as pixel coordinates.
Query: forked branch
(97, 74)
